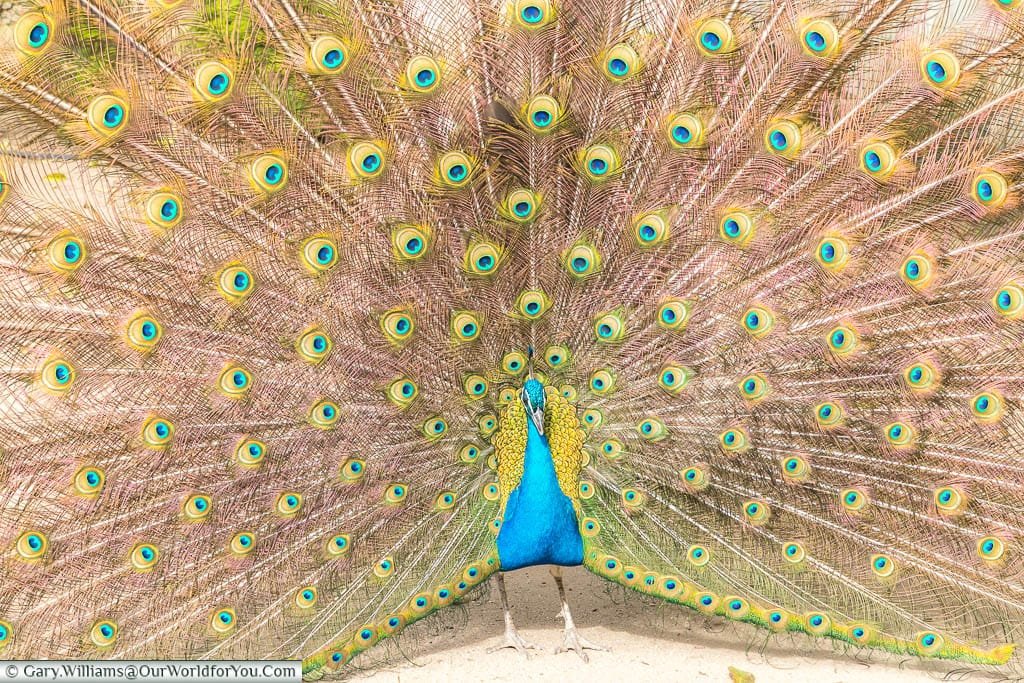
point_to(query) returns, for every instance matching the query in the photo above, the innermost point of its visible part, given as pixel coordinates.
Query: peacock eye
(366, 160)
(483, 258)
(455, 169)
(715, 37)
(685, 131)
(602, 382)
(599, 162)
(465, 326)
(784, 138)
(940, 69)
(213, 81)
(758, 321)
(621, 63)
(543, 113)
(581, 260)
(820, 38)
(327, 55)
(422, 75)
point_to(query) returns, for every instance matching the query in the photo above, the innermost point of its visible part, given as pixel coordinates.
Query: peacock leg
(512, 637)
(572, 640)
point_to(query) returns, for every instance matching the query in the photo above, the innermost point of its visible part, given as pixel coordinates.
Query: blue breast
(540, 525)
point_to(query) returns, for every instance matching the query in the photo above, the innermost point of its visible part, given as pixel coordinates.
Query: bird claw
(574, 641)
(515, 641)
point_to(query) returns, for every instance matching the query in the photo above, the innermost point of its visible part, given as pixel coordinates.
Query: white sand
(648, 641)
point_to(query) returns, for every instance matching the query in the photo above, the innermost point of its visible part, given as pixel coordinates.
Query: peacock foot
(515, 641)
(573, 641)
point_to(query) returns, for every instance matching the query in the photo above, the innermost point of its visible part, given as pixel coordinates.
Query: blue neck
(540, 525)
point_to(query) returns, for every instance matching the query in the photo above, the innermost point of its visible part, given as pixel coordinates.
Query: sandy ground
(648, 641)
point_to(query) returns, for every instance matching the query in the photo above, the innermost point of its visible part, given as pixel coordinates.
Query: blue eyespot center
(541, 118)
(324, 254)
(778, 140)
(424, 77)
(113, 116)
(218, 84)
(521, 208)
(984, 189)
(333, 58)
(580, 264)
(161, 429)
(38, 35)
(618, 67)
(169, 210)
(647, 232)
(681, 134)
(370, 163)
(72, 252)
(815, 41)
(711, 40)
(531, 14)
(240, 281)
(936, 71)
(873, 161)
(273, 174)
(598, 166)
(62, 373)
(457, 172)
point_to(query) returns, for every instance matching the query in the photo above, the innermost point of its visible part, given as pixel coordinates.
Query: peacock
(315, 316)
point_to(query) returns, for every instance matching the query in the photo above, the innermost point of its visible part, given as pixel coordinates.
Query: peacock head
(533, 398)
